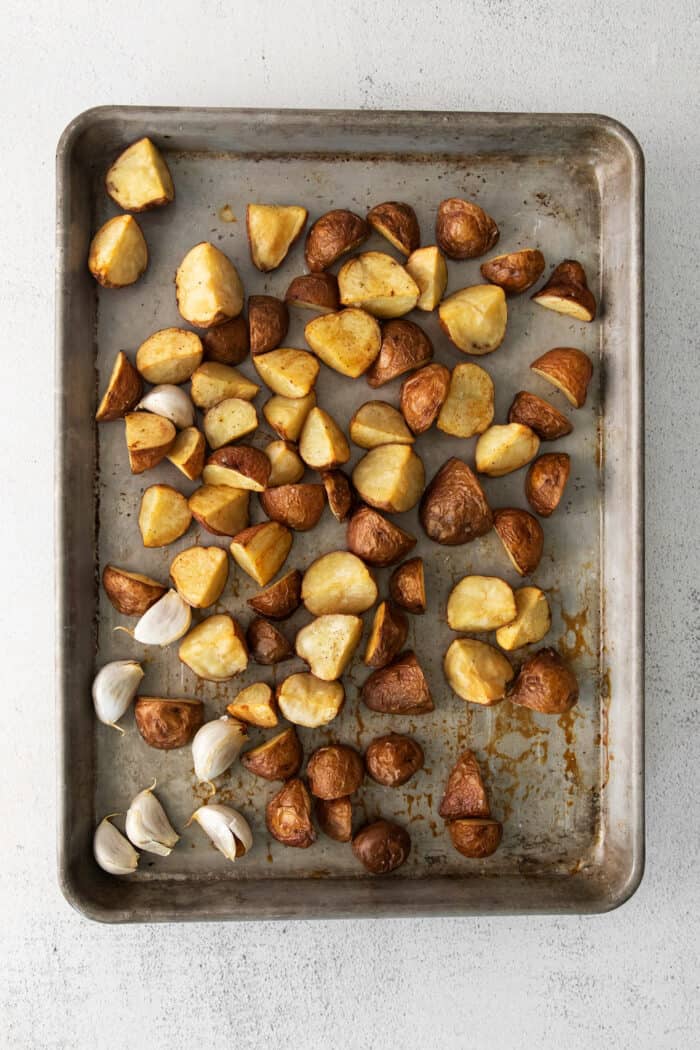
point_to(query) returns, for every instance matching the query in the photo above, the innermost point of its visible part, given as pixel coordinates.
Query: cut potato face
(131, 593)
(200, 575)
(322, 445)
(568, 369)
(428, 268)
(262, 550)
(123, 390)
(477, 672)
(229, 420)
(378, 284)
(468, 408)
(272, 230)
(215, 649)
(475, 318)
(338, 582)
(240, 466)
(480, 603)
(379, 423)
(164, 516)
(286, 463)
(290, 373)
(149, 438)
(287, 415)
(502, 449)
(220, 509)
(140, 179)
(118, 253)
(328, 643)
(187, 454)
(207, 287)
(255, 705)
(212, 383)
(531, 622)
(169, 356)
(308, 701)
(347, 341)
(390, 477)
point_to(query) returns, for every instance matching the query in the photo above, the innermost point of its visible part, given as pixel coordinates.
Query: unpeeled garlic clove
(148, 827)
(216, 746)
(227, 828)
(171, 402)
(164, 622)
(113, 852)
(114, 688)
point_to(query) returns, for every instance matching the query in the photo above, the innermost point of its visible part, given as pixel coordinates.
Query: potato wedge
(545, 683)
(398, 689)
(521, 536)
(546, 420)
(475, 318)
(187, 454)
(207, 287)
(567, 292)
(477, 672)
(288, 816)
(377, 540)
(215, 649)
(334, 816)
(335, 771)
(465, 792)
(220, 509)
(398, 223)
(286, 464)
(335, 233)
(428, 269)
(390, 477)
(505, 448)
(268, 322)
(407, 586)
(118, 253)
(404, 348)
(200, 574)
(379, 423)
(272, 230)
(149, 438)
(454, 508)
(569, 370)
(278, 758)
(314, 291)
(241, 466)
(287, 415)
(480, 603)
(290, 373)
(393, 759)
(375, 282)
(123, 390)
(213, 383)
(531, 623)
(228, 421)
(299, 507)
(262, 550)
(169, 356)
(514, 272)
(281, 599)
(545, 482)
(255, 705)
(475, 837)
(227, 343)
(167, 724)
(423, 395)
(308, 701)
(129, 592)
(322, 444)
(347, 341)
(338, 583)
(468, 408)
(140, 179)
(164, 516)
(339, 493)
(328, 643)
(463, 229)
(387, 637)
(267, 644)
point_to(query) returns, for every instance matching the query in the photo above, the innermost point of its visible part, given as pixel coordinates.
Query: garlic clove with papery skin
(171, 402)
(227, 828)
(216, 746)
(112, 851)
(164, 622)
(114, 688)
(148, 827)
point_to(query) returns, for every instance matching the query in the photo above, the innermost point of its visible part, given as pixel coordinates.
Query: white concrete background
(625, 979)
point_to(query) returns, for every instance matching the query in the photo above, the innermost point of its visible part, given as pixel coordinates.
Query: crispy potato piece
(164, 516)
(454, 509)
(278, 758)
(567, 292)
(129, 592)
(423, 395)
(387, 637)
(398, 223)
(286, 463)
(334, 816)
(149, 438)
(307, 701)
(377, 540)
(187, 454)
(393, 759)
(338, 583)
(207, 287)
(227, 343)
(200, 574)
(468, 408)
(314, 291)
(168, 724)
(140, 179)
(118, 253)
(546, 420)
(215, 649)
(290, 373)
(475, 318)
(428, 269)
(322, 445)
(281, 599)
(480, 603)
(288, 816)
(335, 233)
(382, 846)
(299, 507)
(241, 466)
(255, 705)
(339, 493)
(287, 415)
(220, 509)
(335, 771)
(169, 356)
(213, 383)
(569, 370)
(378, 284)
(545, 482)
(272, 230)
(521, 536)
(463, 229)
(531, 622)
(398, 689)
(404, 348)
(228, 421)
(327, 645)
(379, 423)
(268, 322)
(477, 672)
(407, 586)
(505, 448)
(390, 477)
(347, 341)
(514, 272)
(475, 837)
(123, 390)
(267, 644)
(262, 550)
(545, 683)
(465, 793)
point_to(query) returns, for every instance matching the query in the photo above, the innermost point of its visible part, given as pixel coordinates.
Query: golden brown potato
(262, 550)
(545, 482)
(375, 282)
(387, 637)
(545, 684)
(288, 816)
(322, 444)
(281, 599)
(207, 287)
(338, 582)
(505, 448)
(129, 592)
(569, 370)
(454, 508)
(521, 536)
(286, 415)
(314, 291)
(187, 454)
(404, 348)
(215, 649)
(164, 516)
(327, 644)
(335, 233)
(347, 341)
(220, 509)
(335, 771)
(289, 373)
(140, 179)
(377, 540)
(200, 574)
(307, 701)
(334, 816)
(118, 253)
(287, 467)
(514, 272)
(390, 477)
(547, 421)
(255, 705)
(272, 230)
(123, 390)
(398, 223)
(567, 292)
(468, 408)
(169, 356)
(228, 421)
(464, 230)
(228, 343)
(393, 759)
(268, 322)
(399, 689)
(267, 644)
(339, 493)
(379, 423)
(475, 318)
(382, 846)
(423, 395)
(167, 724)
(480, 603)
(428, 269)
(531, 623)
(240, 466)
(299, 507)
(213, 383)
(149, 438)
(477, 672)
(278, 758)
(407, 586)
(475, 837)
(465, 793)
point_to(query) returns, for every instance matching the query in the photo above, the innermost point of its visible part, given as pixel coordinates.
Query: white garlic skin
(171, 402)
(226, 827)
(112, 851)
(216, 746)
(114, 688)
(148, 827)
(166, 621)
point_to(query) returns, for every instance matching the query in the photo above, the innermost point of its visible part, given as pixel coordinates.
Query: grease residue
(573, 643)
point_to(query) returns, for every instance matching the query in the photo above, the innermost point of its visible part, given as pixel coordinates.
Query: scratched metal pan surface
(568, 789)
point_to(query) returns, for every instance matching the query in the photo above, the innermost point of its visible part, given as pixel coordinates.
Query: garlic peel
(147, 825)
(164, 622)
(227, 828)
(114, 688)
(112, 851)
(171, 402)
(216, 746)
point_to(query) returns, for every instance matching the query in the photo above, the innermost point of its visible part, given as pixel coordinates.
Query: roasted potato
(164, 516)
(381, 846)
(468, 408)
(546, 420)
(387, 637)
(314, 291)
(514, 272)
(404, 348)
(465, 793)
(532, 620)
(207, 287)
(281, 599)
(399, 689)
(567, 292)
(339, 493)
(322, 444)
(453, 509)
(375, 282)
(140, 179)
(393, 759)
(169, 356)
(338, 583)
(335, 233)
(289, 373)
(278, 758)
(167, 724)
(334, 816)
(390, 477)
(149, 438)
(475, 837)
(545, 482)
(521, 536)
(347, 341)
(129, 592)
(228, 421)
(398, 223)
(545, 684)
(335, 771)
(299, 507)
(327, 645)
(480, 603)
(272, 230)
(118, 252)
(187, 454)
(286, 415)
(123, 390)
(379, 423)
(407, 586)
(464, 230)
(428, 269)
(288, 816)
(377, 540)
(307, 701)
(228, 343)
(423, 395)
(569, 370)
(477, 672)
(475, 318)
(255, 705)
(268, 322)
(220, 509)
(200, 574)
(213, 383)
(267, 644)
(215, 649)
(505, 448)
(287, 466)
(240, 466)
(262, 550)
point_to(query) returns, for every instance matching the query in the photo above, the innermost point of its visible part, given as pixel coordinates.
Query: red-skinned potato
(213, 383)
(272, 230)
(129, 592)
(464, 230)
(399, 689)
(514, 272)
(268, 322)
(545, 684)
(387, 636)
(545, 482)
(200, 574)
(377, 540)
(465, 793)
(335, 233)
(475, 837)
(454, 509)
(149, 438)
(169, 356)
(504, 448)
(569, 370)
(240, 466)
(322, 444)
(407, 586)
(347, 341)
(531, 623)
(404, 348)
(167, 724)
(567, 292)
(423, 395)
(335, 771)
(398, 223)
(164, 516)
(220, 509)
(123, 390)
(334, 816)
(139, 179)
(328, 643)
(377, 283)
(381, 846)
(255, 705)
(379, 423)
(314, 291)
(299, 507)
(338, 582)
(287, 465)
(267, 644)
(390, 478)
(188, 452)
(288, 815)
(477, 672)
(393, 759)
(207, 287)
(468, 407)
(262, 550)
(118, 253)
(532, 411)
(339, 493)
(276, 759)
(281, 599)
(287, 415)
(428, 269)
(521, 536)
(215, 649)
(475, 318)
(227, 343)
(308, 701)
(228, 421)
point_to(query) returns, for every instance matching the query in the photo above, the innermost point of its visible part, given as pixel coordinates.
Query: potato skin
(299, 507)
(167, 724)
(334, 816)
(568, 282)
(335, 771)
(377, 540)
(393, 759)
(522, 537)
(405, 346)
(130, 593)
(339, 493)
(288, 815)
(475, 838)
(387, 637)
(335, 233)
(123, 390)
(568, 369)
(464, 230)
(516, 271)
(267, 645)
(281, 599)
(245, 459)
(422, 396)
(407, 586)
(545, 683)
(398, 223)
(279, 758)
(227, 343)
(314, 291)
(453, 509)
(533, 412)
(382, 846)
(268, 322)
(399, 689)
(545, 482)
(465, 793)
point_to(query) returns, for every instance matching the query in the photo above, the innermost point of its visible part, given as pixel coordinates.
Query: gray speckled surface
(629, 978)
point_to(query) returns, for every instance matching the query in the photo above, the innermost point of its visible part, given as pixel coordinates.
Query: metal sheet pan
(569, 789)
